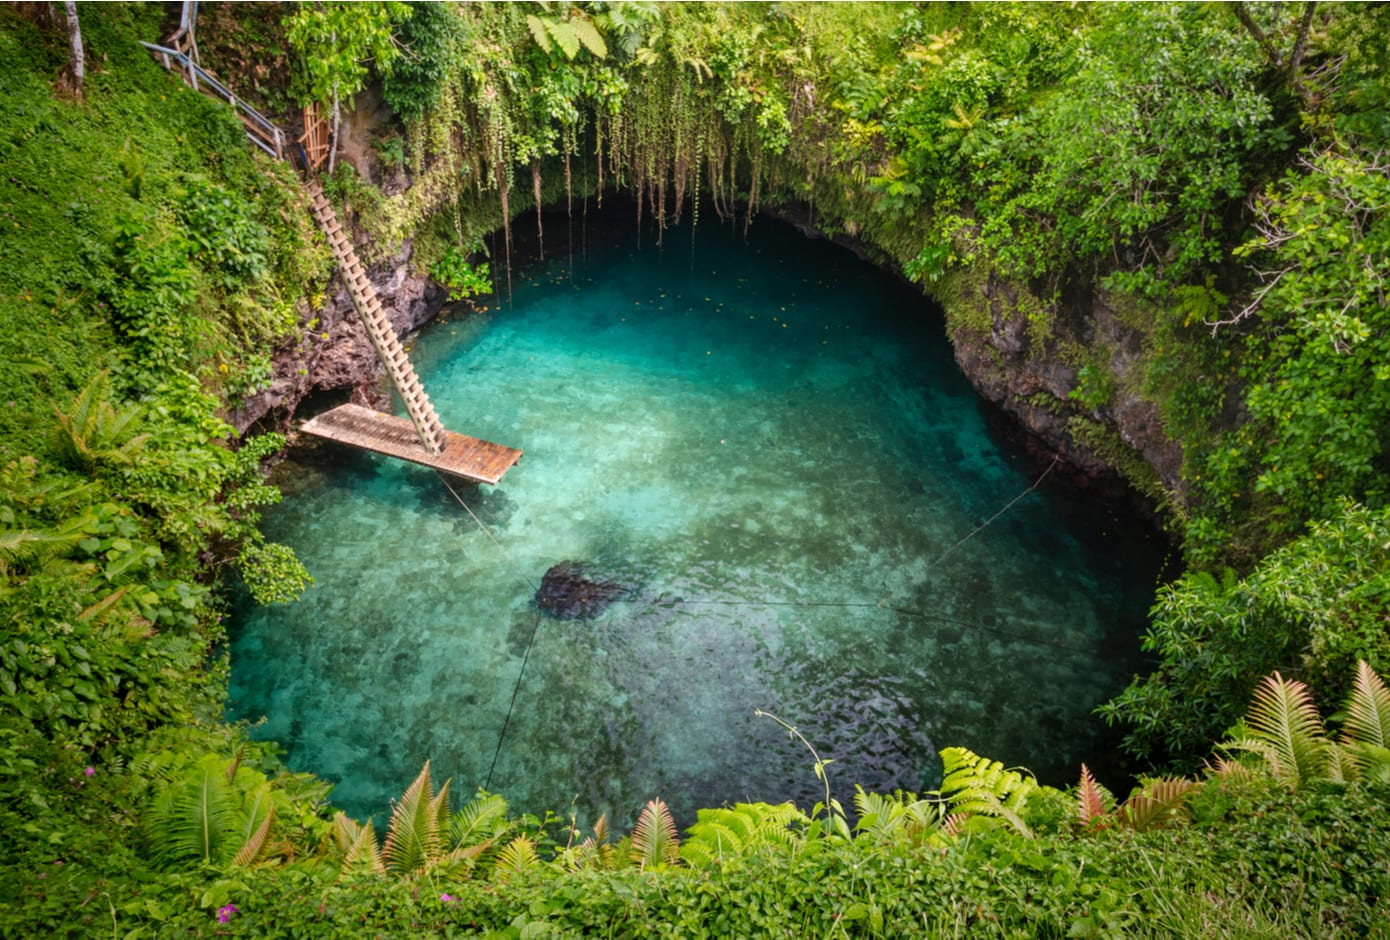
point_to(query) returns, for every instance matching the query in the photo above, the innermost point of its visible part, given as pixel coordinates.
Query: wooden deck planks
(462, 456)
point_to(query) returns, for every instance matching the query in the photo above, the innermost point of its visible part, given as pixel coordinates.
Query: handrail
(270, 139)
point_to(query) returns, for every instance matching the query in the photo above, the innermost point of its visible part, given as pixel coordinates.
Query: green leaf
(538, 31)
(589, 35)
(564, 36)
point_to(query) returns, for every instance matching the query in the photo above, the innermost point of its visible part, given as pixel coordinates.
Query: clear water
(769, 446)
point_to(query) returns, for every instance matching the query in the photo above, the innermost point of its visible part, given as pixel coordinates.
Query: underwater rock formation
(568, 593)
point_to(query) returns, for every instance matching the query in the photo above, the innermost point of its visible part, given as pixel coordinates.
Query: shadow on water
(770, 448)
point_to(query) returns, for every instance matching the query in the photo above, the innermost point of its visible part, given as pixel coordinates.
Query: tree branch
(1260, 36)
(1300, 45)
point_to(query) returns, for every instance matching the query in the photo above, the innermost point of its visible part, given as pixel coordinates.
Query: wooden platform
(463, 456)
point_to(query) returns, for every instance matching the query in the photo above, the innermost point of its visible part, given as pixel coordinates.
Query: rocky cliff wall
(1025, 356)
(333, 352)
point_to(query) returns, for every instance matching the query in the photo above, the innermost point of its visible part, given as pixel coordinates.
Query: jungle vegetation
(1218, 174)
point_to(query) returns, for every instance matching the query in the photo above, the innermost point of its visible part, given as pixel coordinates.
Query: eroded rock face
(1028, 376)
(332, 350)
(1031, 379)
(568, 593)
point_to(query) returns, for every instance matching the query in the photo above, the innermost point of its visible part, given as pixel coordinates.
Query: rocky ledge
(333, 352)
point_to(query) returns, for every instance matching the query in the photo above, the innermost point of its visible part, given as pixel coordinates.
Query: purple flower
(225, 912)
(447, 898)
(90, 771)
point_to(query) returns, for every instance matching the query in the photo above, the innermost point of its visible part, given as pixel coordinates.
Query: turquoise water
(769, 446)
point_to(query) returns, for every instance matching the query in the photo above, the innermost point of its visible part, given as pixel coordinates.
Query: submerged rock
(568, 593)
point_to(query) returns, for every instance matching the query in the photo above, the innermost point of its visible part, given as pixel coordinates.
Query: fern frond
(1231, 770)
(1158, 803)
(93, 431)
(1368, 710)
(31, 547)
(589, 35)
(1373, 763)
(361, 855)
(1093, 801)
(517, 855)
(251, 849)
(413, 839)
(975, 785)
(714, 840)
(194, 819)
(877, 813)
(654, 839)
(439, 811)
(954, 824)
(346, 830)
(896, 816)
(1343, 764)
(482, 819)
(594, 852)
(97, 612)
(729, 832)
(538, 33)
(1284, 726)
(564, 36)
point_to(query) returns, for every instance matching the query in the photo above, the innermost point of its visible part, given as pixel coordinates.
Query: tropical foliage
(1213, 175)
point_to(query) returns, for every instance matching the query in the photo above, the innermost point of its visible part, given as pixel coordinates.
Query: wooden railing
(184, 38)
(264, 134)
(315, 140)
(259, 129)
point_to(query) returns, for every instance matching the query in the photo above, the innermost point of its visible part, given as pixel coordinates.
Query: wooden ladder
(379, 329)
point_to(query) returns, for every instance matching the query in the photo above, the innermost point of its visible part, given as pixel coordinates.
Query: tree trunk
(536, 192)
(76, 72)
(333, 142)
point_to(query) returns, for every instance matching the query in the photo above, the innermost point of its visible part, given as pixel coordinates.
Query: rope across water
(879, 605)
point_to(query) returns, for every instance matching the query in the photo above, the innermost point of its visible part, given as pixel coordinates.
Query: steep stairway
(383, 336)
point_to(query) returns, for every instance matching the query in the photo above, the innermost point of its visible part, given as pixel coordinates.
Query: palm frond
(654, 839)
